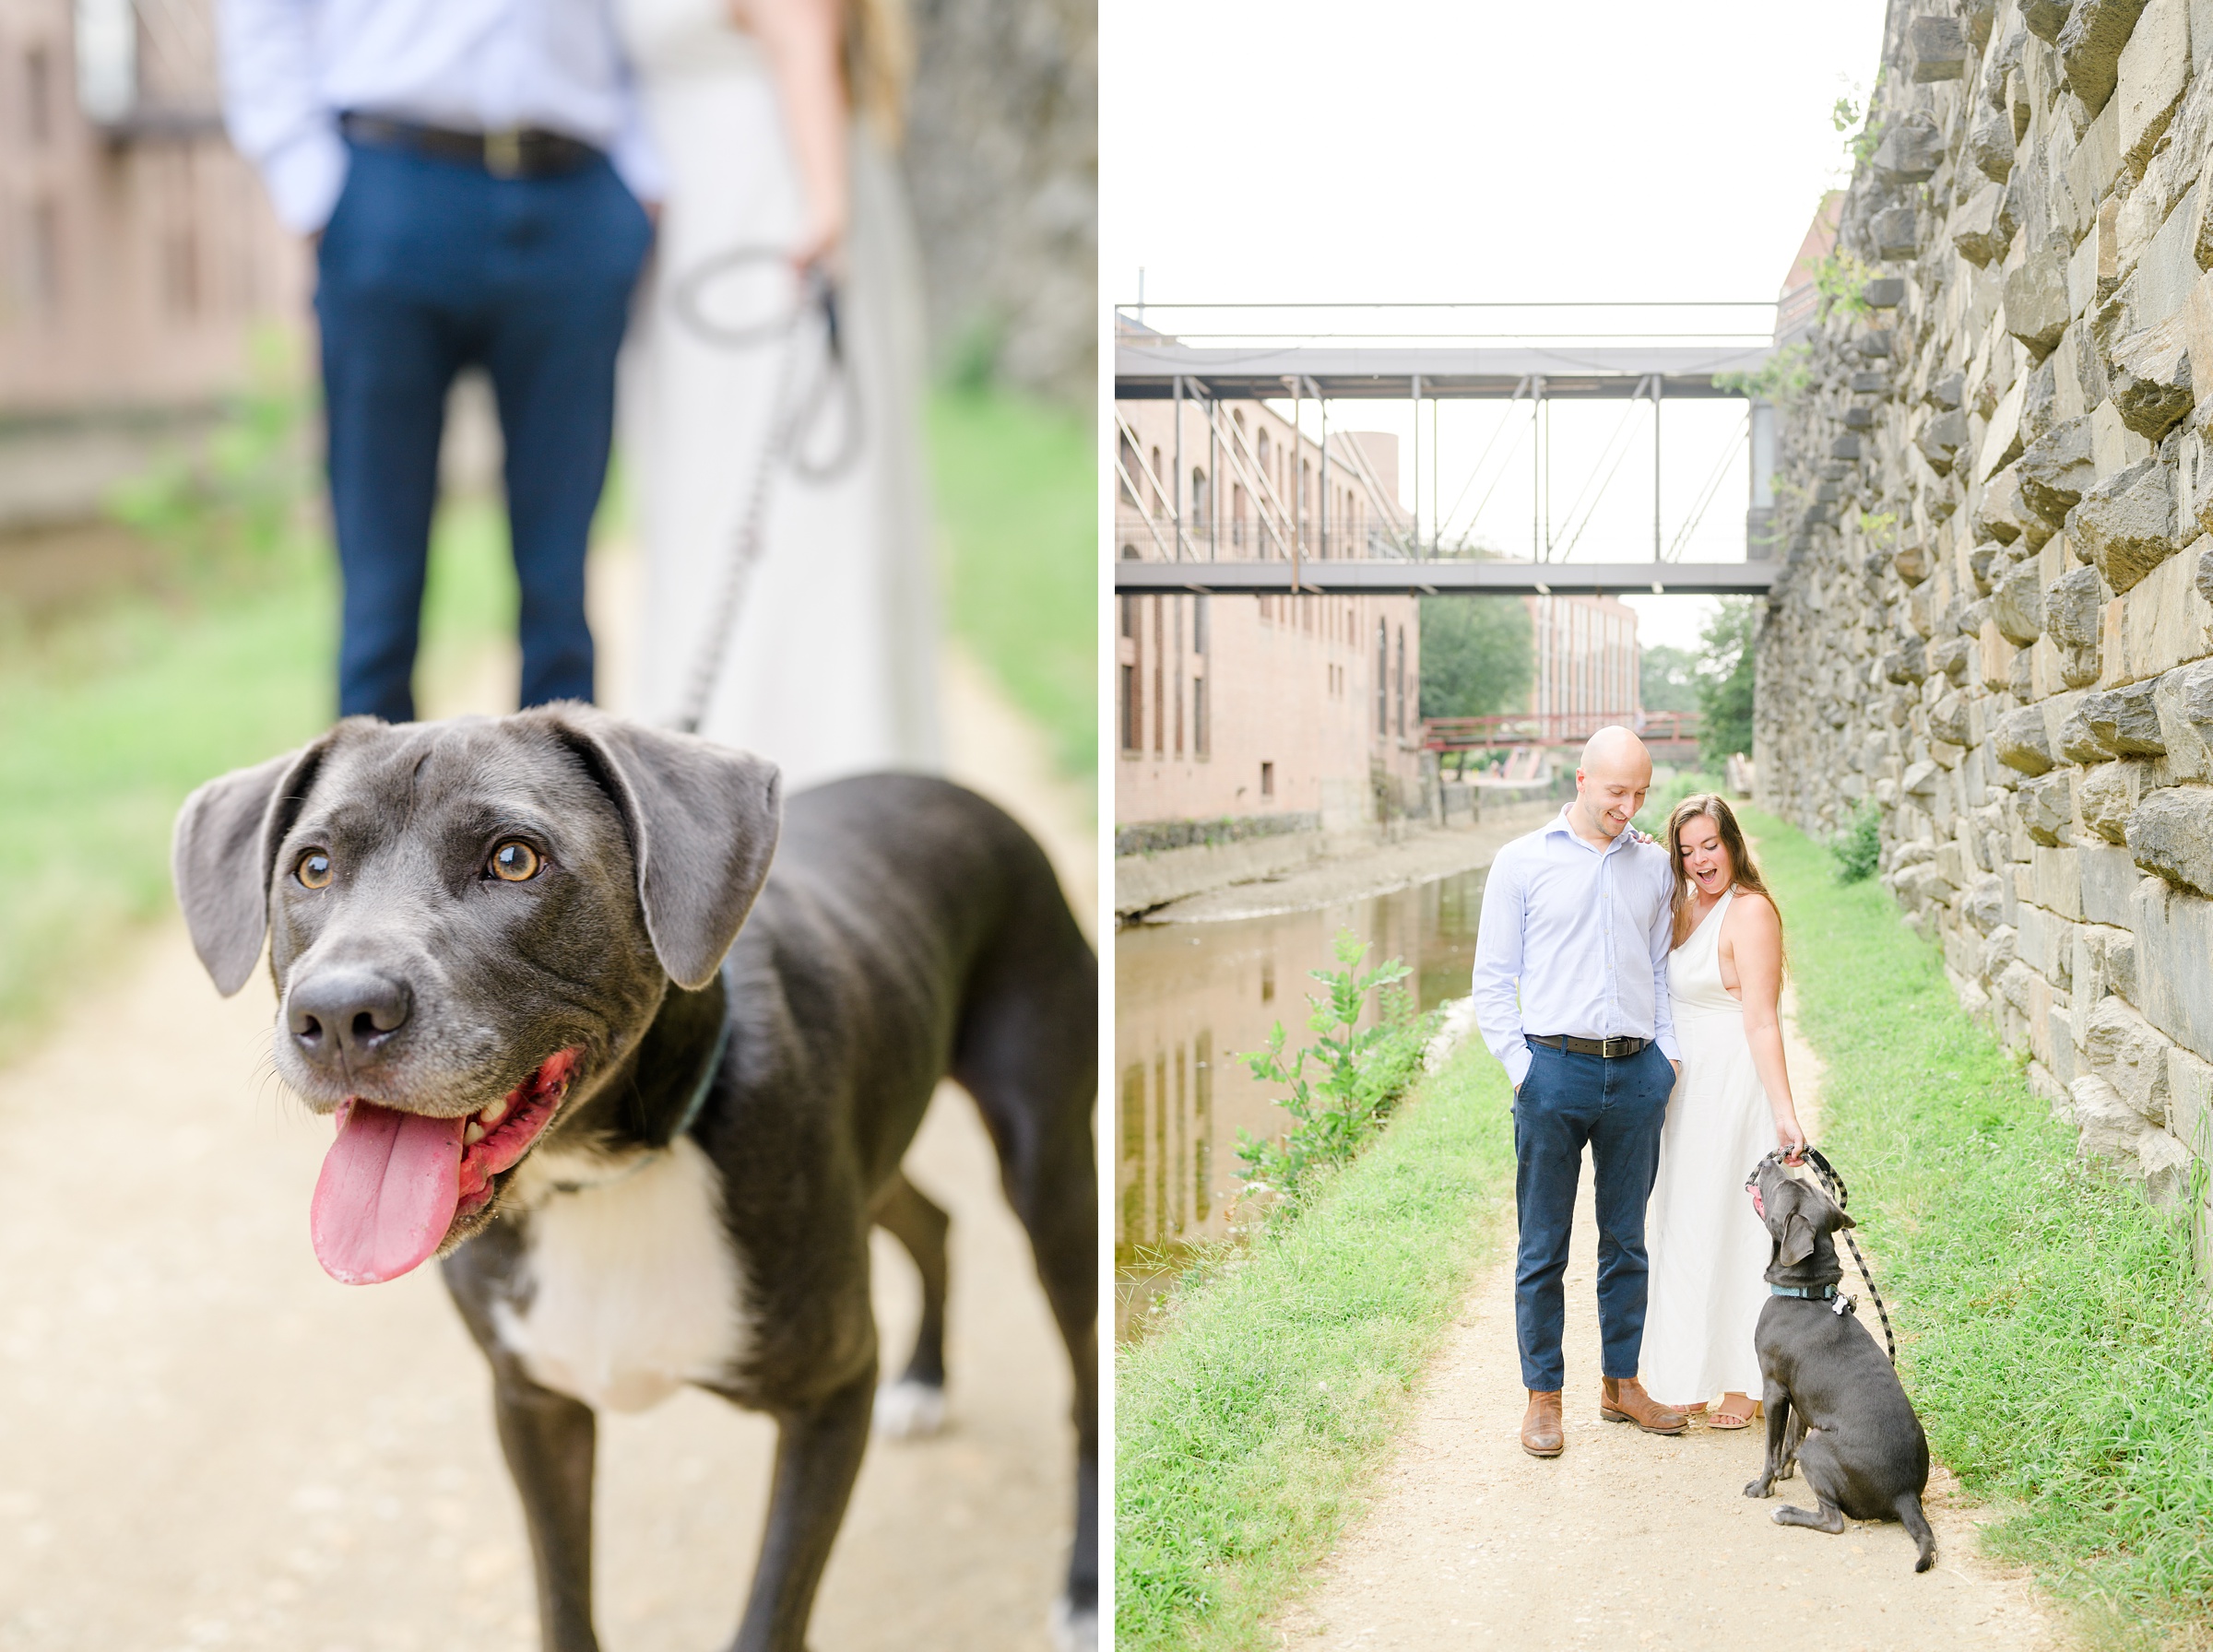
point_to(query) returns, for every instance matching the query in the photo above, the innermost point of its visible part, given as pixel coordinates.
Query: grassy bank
(1018, 506)
(1246, 1420)
(2047, 1317)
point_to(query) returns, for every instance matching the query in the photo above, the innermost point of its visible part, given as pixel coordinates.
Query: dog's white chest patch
(631, 1286)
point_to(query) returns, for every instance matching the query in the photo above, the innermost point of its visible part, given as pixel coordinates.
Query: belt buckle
(503, 152)
(1611, 1049)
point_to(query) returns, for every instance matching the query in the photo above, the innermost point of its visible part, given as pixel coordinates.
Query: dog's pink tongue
(387, 1193)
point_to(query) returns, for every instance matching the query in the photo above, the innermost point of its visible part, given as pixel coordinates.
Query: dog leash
(790, 421)
(1838, 1191)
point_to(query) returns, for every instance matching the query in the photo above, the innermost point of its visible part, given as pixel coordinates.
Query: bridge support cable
(1617, 449)
(1706, 493)
(1657, 383)
(1128, 438)
(1481, 459)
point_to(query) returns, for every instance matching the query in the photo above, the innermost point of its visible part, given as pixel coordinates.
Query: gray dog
(648, 1132)
(1833, 1402)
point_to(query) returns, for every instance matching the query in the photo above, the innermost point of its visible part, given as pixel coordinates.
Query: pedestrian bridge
(1426, 357)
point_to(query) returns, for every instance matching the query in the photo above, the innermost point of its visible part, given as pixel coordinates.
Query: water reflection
(1190, 997)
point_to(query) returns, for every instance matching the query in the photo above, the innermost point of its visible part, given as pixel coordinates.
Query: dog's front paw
(1758, 1487)
(908, 1410)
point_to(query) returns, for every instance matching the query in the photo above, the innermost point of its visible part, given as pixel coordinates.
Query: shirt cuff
(305, 177)
(638, 164)
(1668, 1046)
(1518, 1063)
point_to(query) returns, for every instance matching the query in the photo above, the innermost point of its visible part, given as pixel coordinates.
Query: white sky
(1443, 149)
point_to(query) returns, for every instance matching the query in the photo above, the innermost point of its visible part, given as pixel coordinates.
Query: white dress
(831, 667)
(1707, 1249)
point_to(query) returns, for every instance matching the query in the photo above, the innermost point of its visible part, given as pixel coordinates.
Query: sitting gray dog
(647, 1093)
(1833, 1402)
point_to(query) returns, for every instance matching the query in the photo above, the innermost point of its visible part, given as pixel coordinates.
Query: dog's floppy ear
(223, 853)
(1787, 1221)
(702, 821)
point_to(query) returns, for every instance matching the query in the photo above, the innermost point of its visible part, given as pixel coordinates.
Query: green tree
(1478, 656)
(1669, 680)
(1726, 672)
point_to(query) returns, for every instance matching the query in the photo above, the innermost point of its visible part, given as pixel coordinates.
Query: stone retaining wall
(1994, 488)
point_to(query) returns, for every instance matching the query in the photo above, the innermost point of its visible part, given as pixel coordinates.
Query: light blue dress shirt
(292, 67)
(1583, 934)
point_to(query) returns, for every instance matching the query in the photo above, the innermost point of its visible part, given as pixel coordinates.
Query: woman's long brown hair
(1716, 807)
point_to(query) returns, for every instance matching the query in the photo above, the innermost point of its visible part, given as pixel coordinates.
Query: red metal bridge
(1669, 734)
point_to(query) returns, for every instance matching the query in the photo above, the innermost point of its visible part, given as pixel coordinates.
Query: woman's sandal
(1721, 1417)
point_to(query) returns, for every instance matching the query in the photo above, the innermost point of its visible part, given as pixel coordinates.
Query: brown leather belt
(510, 152)
(1611, 1048)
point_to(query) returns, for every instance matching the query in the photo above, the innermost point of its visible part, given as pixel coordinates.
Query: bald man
(1571, 993)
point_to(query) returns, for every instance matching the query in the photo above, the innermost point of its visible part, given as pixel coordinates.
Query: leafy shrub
(1858, 849)
(1362, 1074)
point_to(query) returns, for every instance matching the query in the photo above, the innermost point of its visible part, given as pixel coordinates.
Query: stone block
(2022, 744)
(2173, 932)
(1949, 721)
(2128, 1053)
(2163, 1166)
(1906, 663)
(2106, 1125)
(1990, 146)
(2056, 470)
(2090, 45)
(1937, 47)
(2106, 882)
(2151, 77)
(2125, 721)
(2017, 604)
(2072, 609)
(2046, 1086)
(1984, 903)
(1912, 561)
(1948, 659)
(1984, 226)
(2159, 625)
(2113, 446)
(2126, 522)
(2056, 880)
(1910, 151)
(2190, 1100)
(2002, 441)
(2148, 378)
(1941, 438)
(2107, 796)
(2045, 811)
(2036, 301)
(1896, 232)
(2171, 835)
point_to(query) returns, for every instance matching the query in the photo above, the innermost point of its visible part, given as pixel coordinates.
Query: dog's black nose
(346, 1015)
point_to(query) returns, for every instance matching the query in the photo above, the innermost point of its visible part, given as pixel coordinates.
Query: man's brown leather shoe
(1541, 1424)
(1623, 1399)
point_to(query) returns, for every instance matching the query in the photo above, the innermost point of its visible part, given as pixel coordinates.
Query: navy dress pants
(428, 266)
(1618, 1107)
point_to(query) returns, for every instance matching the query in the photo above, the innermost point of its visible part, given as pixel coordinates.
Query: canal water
(1190, 997)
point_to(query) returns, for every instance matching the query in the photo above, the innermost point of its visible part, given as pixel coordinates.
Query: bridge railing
(1555, 728)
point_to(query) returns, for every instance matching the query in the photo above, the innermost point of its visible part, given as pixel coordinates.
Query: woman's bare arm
(1753, 933)
(801, 40)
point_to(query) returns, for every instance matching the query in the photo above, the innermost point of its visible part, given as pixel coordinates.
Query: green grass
(1017, 504)
(1276, 1379)
(2048, 1326)
(109, 719)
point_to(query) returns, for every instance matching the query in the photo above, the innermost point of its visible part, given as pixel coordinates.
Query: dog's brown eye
(313, 870)
(515, 863)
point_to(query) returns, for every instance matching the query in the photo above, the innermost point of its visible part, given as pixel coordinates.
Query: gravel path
(1629, 1540)
(205, 1443)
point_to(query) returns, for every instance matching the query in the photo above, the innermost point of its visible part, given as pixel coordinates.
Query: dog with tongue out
(647, 1095)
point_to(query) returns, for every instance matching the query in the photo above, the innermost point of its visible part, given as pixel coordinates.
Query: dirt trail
(1629, 1539)
(205, 1443)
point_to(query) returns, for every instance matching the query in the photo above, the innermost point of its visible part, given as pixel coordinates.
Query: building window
(1160, 710)
(1383, 678)
(1200, 745)
(1399, 687)
(1200, 626)
(1132, 648)
(1152, 482)
(1200, 512)
(1128, 455)
(1267, 780)
(1236, 513)
(42, 255)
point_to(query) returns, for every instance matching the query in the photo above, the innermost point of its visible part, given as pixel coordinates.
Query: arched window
(1236, 513)
(1199, 501)
(1131, 646)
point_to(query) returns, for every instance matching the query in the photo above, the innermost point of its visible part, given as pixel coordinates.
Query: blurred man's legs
(429, 265)
(569, 255)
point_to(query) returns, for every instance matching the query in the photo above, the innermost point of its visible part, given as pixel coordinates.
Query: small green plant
(1879, 528)
(1785, 376)
(1858, 849)
(243, 499)
(1362, 1073)
(1842, 281)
